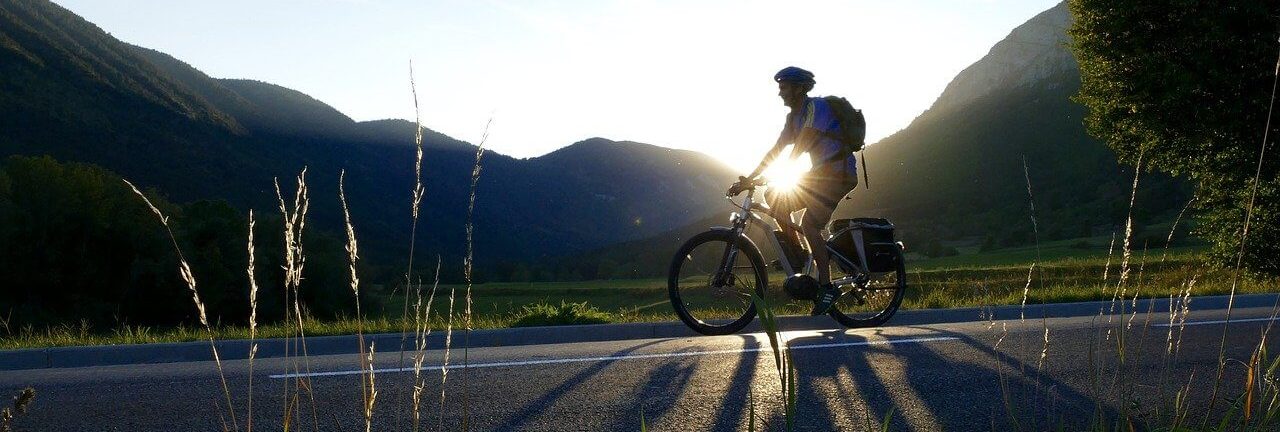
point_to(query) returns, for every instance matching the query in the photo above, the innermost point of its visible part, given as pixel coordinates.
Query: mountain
(70, 90)
(1032, 53)
(1005, 124)
(687, 188)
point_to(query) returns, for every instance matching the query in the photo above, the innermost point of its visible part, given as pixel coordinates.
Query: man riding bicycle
(811, 126)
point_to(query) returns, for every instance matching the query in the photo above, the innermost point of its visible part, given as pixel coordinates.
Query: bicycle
(714, 273)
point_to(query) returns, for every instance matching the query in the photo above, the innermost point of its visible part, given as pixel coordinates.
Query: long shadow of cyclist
(733, 406)
(519, 420)
(949, 385)
(668, 385)
(656, 396)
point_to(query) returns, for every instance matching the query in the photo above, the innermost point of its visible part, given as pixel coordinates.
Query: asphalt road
(983, 375)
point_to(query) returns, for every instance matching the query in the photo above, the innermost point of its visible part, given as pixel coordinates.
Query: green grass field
(1065, 271)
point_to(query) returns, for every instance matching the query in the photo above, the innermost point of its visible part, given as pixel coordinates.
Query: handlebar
(756, 182)
(748, 186)
(744, 185)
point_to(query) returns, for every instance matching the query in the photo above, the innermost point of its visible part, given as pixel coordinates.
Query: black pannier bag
(864, 237)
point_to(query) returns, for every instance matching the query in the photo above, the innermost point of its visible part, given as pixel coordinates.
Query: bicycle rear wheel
(872, 304)
(711, 280)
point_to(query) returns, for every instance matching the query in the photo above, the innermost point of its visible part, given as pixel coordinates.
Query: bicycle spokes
(870, 296)
(715, 281)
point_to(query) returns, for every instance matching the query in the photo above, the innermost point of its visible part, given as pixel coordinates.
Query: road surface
(980, 375)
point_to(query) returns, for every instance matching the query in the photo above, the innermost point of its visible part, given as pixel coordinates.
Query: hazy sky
(683, 74)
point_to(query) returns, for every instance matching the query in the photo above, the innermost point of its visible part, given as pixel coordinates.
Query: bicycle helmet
(794, 74)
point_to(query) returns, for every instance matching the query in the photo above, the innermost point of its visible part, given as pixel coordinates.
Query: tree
(1183, 87)
(77, 245)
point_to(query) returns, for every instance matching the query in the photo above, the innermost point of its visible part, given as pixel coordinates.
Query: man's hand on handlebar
(737, 187)
(742, 184)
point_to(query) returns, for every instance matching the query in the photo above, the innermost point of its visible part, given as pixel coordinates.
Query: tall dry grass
(295, 220)
(369, 387)
(467, 273)
(253, 324)
(368, 391)
(416, 195)
(184, 270)
(422, 329)
(444, 363)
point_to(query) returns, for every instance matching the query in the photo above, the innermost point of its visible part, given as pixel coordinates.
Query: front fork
(724, 274)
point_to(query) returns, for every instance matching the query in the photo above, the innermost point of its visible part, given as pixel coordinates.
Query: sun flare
(784, 174)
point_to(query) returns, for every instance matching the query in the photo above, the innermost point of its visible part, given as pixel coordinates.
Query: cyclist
(811, 127)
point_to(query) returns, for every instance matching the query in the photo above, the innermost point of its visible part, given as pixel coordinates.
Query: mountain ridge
(1031, 52)
(163, 123)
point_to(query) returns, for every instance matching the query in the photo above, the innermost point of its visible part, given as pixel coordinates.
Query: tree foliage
(77, 245)
(1183, 87)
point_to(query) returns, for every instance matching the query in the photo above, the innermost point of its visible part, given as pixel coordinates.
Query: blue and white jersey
(818, 115)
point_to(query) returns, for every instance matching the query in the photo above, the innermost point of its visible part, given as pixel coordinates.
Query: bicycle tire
(882, 315)
(684, 289)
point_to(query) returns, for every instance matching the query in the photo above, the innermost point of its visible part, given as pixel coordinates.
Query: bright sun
(784, 173)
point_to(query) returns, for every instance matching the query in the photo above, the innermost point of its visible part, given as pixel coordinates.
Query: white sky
(684, 74)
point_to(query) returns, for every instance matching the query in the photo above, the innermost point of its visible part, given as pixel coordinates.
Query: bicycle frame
(747, 212)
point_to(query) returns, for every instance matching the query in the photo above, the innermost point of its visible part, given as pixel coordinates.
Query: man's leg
(783, 206)
(814, 218)
(817, 215)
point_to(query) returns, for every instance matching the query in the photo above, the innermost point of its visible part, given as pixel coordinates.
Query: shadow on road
(668, 384)
(518, 419)
(733, 407)
(926, 389)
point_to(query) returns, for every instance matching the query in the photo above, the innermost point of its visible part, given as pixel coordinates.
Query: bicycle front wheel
(711, 280)
(872, 304)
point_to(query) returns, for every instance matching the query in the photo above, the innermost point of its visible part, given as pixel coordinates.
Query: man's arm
(770, 156)
(807, 137)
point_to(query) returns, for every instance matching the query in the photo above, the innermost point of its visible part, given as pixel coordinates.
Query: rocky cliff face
(1032, 52)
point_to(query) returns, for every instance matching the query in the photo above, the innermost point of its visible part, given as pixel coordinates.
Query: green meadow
(1061, 271)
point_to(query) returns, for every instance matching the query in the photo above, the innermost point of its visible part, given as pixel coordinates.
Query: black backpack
(853, 126)
(853, 130)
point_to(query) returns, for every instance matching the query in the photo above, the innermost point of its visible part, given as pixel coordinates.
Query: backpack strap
(866, 183)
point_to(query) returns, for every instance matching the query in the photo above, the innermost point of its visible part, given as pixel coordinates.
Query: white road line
(618, 357)
(1196, 323)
